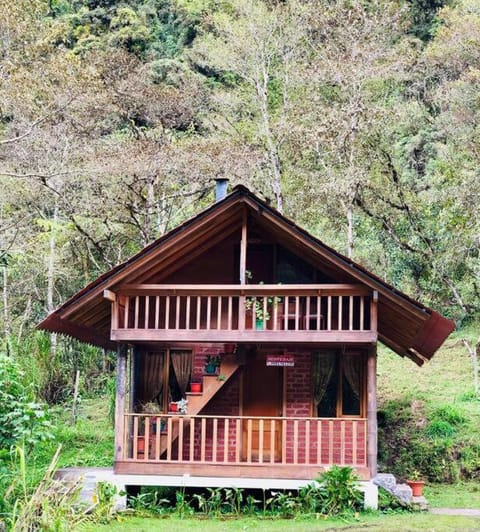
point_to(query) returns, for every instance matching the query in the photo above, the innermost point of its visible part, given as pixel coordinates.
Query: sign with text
(283, 361)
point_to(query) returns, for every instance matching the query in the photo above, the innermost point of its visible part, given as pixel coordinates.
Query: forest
(357, 119)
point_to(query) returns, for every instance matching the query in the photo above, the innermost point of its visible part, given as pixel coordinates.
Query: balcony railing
(339, 312)
(247, 441)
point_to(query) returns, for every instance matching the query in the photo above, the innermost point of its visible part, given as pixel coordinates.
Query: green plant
(439, 428)
(183, 507)
(212, 360)
(312, 498)
(283, 504)
(341, 491)
(233, 500)
(21, 418)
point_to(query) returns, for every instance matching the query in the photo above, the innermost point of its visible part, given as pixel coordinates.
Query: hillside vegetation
(356, 119)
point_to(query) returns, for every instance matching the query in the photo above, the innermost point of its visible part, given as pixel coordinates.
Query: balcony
(244, 313)
(269, 447)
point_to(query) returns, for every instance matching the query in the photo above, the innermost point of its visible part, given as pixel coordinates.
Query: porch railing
(241, 440)
(230, 309)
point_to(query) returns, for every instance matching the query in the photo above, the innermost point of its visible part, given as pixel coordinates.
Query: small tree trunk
(51, 275)
(473, 352)
(350, 236)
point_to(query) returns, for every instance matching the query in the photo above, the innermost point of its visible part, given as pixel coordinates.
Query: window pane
(351, 385)
(328, 405)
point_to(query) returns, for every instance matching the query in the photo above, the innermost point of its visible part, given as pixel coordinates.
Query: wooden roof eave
(55, 324)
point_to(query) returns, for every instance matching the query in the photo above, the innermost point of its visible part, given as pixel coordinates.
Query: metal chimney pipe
(221, 185)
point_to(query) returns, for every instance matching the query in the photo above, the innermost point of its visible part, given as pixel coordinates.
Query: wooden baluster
(319, 312)
(340, 313)
(126, 434)
(127, 313)
(354, 443)
(329, 313)
(214, 440)
(178, 304)
(169, 439)
(147, 312)
(285, 314)
(191, 455)
(157, 312)
(135, 437)
(199, 311)
(297, 312)
(307, 315)
(350, 313)
(226, 439)
(362, 312)
(275, 313)
(260, 440)
(319, 441)
(273, 427)
(219, 313)
(147, 438)
(342, 442)
(238, 439)
(167, 313)
(203, 438)
(180, 438)
(157, 437)
(265, 311)
(187, 314)
(330, 441)
(242, 311)
(137, 304)
(249, 440)
(374, 312)
(307, 441)
(230, 313)
(209, 312)
(295, 441)
(284, 441)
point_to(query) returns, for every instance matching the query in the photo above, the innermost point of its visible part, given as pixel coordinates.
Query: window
(163, 376)
(338, 383)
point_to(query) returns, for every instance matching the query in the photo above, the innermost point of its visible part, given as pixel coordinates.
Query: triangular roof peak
(405, 325)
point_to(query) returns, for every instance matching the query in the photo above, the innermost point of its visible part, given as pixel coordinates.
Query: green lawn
(374, 521)
(461, 495)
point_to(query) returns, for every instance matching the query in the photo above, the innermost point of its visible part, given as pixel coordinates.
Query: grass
(372, 521)
(87, 443)
(460, 495)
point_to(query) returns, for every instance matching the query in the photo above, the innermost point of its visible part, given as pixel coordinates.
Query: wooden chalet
(270, 336)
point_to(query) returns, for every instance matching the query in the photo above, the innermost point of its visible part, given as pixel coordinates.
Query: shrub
(340, 490)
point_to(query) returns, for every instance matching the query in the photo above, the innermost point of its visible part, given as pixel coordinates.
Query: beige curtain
(154, 376)
(352, 369)
(182, 365)
(323, 364)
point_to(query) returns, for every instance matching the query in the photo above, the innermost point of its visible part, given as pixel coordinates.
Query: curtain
(154, 375)
(182, 365)
(323, 364)
(352, 368)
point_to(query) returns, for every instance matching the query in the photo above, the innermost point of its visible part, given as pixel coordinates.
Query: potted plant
(152, 407)
(182, 406)
(212, 363)
(416, 483)
(196, 386)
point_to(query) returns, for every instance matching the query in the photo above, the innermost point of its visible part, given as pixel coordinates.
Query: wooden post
(121, 388)
(75, 396)
(372, 411)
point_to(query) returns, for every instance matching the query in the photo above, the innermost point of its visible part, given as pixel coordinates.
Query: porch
(241, 446)
(319, 313)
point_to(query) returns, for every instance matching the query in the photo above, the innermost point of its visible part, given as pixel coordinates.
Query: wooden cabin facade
(262, 335)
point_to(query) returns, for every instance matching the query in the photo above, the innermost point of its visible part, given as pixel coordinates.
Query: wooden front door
(262, 397)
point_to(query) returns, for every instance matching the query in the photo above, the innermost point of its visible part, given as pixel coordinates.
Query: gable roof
(405, 325)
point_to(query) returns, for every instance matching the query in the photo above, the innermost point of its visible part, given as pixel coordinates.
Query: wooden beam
(108, 294)
(243, 249)
(267, 336)
(372, 411)
(120, 393)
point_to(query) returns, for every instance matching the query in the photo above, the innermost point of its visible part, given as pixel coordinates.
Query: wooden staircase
(211, 384)
(196, 403)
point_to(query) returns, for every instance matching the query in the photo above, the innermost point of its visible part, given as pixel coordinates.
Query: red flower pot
(417, 487)
(196, 387)
(173, 407)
